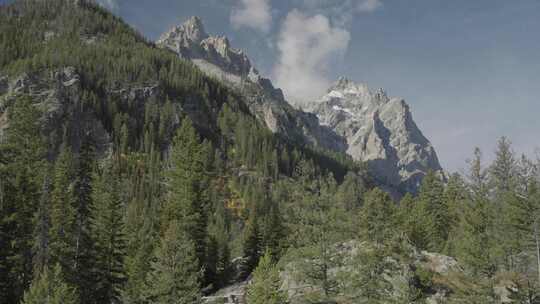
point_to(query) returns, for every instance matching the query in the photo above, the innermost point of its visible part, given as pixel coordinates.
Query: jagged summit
(351, 118)
(192, 31)
(215, 56)
(191, 41)
(380, 131)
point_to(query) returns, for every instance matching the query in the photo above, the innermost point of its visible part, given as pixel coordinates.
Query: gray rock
(369, 126)
(379, 131)
(216, 57)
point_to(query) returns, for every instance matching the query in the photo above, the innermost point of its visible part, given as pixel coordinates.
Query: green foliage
(50, 288)
(252, 243)
(377, 217)
(368, 284)
(264, 288)
(63, 213)
(107, 231)
(188, 181)
(174, 277)
(22, 181)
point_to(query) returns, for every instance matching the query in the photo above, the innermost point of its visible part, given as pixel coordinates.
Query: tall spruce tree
(107, 231)
(320, 224)
(266, 283)
(188, 197)
(63, 214)
(174, 278)
(377, 217)
(84, 248)
(252, 242)
(476, 227)
(21, 185)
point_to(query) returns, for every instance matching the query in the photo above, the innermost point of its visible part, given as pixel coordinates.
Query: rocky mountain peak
(380, 131)
(191, 41)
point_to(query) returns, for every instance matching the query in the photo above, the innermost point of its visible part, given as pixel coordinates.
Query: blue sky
(469, 69)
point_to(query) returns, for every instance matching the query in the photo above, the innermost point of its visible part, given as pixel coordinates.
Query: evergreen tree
(63, 214)
(50, 288)
(107, 230)
(188, 197)
(175, 274)
(455, 198)
(84, 248)
(274, 233)
(265, 285)
(20, 192)
(377, 217)
(410, 215)
(320, 225)
(476, 234)
(252, 242)
(41, 229)
(434, 210)
(351, 191)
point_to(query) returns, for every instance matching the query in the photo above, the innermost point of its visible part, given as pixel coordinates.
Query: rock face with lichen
(380, 131)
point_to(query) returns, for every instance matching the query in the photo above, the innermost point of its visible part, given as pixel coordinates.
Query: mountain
(370, 127)
(380, 131)
(216, 57)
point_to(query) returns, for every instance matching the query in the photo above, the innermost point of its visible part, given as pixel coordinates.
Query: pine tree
(107, 231)
(23, 151)
(82, 193)
(476, 226)
(435, 213)
(175, 274)
(503, 179)
(41, 229)
(63, 214)
(351, 191)
(274, 233)
(320, 225)
(188, 197)
(252, 242)
(265, 285)
(410, 216)
(50, 288)
(377, 217)
(455, 197)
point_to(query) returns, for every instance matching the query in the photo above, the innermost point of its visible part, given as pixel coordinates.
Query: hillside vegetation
(128, 176)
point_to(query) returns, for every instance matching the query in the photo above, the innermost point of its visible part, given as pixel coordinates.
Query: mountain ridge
(394, 148)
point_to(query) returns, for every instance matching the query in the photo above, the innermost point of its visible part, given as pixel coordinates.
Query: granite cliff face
(380, 131)
(216, 57)
(369, 126)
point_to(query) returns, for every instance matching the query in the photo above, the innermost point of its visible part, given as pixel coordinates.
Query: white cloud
(340, 11)
(255, 14)
(308, 45)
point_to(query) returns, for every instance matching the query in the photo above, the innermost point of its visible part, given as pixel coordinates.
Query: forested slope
(128, 176)
(110, 146)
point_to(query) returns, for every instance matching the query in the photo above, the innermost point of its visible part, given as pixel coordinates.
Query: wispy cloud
(255, 14)
(307, 45)
(340, 11)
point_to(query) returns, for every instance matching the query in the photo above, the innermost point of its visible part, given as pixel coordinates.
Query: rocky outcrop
(380, 131)
(61, 98)
(216, 57)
